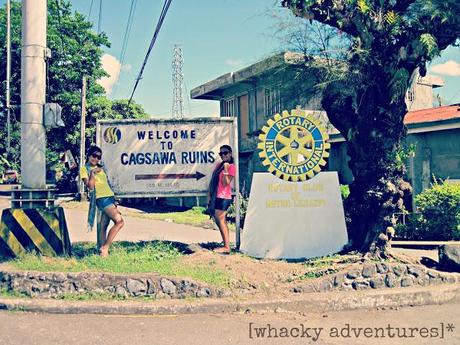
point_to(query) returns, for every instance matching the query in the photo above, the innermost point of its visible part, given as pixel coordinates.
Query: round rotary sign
(293, 146)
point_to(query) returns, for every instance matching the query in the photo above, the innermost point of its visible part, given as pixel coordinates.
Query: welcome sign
(161, 158)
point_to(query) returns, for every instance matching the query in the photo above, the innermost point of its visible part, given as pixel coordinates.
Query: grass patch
(330, 260)
(194, 216)
(318, 274)
(101, 296)
(88, 296)
(326, 265)
(125, 257)
(205, 273)
(5, 293)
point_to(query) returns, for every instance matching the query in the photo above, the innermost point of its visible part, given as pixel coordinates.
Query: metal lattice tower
(178, 82)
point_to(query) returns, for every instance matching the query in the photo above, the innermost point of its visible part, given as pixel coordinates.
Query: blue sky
(217, 36)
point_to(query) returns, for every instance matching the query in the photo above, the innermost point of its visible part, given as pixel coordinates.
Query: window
(229, 108)
(410, 96)
(272, 101)
(243, 106)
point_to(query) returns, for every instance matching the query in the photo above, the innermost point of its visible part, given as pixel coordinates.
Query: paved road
(37, 329)
(4, 202)
(418, 253)
(137, 229)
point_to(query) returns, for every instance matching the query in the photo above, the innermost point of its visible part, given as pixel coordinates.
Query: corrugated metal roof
(433, 114)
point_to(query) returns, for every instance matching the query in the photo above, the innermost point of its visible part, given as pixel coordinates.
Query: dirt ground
(269, 277)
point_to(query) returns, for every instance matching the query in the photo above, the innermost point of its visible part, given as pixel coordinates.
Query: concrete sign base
(293, 220)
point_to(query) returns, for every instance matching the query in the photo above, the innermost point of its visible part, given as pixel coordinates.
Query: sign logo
(293, 146)
(112, 135)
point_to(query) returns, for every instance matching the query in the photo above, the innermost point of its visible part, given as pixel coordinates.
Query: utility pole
(33, 88)
(8, 77)
(34, 223)
(82, 133)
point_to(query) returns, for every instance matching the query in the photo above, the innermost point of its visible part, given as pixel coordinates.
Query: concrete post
(81, 188)
(33, 77)
(236, 157)
(8, 77)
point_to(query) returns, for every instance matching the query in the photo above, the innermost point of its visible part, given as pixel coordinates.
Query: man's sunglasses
(224, 153)
(96, 156)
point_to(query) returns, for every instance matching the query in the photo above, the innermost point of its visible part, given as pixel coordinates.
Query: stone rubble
(377, 276)
(39, 284)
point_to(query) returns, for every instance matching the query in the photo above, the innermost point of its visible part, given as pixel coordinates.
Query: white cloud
(233, 62)
(450, 68)
(113, 67)
(126, 68)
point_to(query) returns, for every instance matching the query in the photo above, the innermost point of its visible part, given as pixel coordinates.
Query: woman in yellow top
(94, 177)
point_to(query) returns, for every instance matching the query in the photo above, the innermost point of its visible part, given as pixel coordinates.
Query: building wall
(290, 95)
(420, 94)
(436, 154)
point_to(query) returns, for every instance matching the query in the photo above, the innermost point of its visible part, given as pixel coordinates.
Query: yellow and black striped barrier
(36, 230)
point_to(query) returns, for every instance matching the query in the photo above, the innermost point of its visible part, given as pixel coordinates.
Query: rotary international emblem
(293, 145)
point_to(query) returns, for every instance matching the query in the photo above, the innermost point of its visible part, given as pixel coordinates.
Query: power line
(126, 35)
(166, 5)
(100, 17)
(90, 9)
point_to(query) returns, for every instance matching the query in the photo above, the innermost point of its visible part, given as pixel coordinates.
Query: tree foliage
(76, 52)
(390, 41)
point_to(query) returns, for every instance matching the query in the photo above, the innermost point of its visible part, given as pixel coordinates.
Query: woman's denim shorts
(222, 204)
(103, 203)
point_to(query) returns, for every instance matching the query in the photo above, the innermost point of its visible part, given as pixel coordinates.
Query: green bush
(411, 229)
(345, 191)
(438, 214)
(231, 214)
(198, 210)
(6, 164)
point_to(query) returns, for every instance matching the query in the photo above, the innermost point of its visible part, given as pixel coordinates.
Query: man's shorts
(103, 203)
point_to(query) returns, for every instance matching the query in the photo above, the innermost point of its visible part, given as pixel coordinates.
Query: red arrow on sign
(196, 176)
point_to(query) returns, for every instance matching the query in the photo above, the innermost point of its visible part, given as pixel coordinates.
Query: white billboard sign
(294, 220)
(162, 158)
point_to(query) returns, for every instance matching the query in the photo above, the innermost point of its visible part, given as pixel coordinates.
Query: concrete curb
(311, 302)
